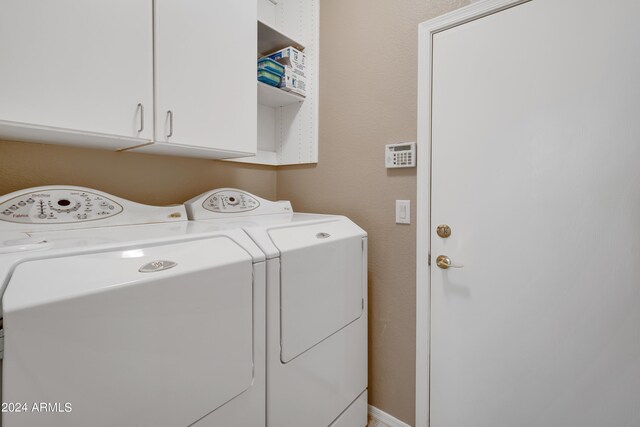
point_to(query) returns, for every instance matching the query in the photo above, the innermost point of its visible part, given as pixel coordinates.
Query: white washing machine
(316, 307)
(121, 314)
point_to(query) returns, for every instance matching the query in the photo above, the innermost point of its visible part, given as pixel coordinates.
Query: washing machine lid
(157, 337)
(322, 282)
(17, 247)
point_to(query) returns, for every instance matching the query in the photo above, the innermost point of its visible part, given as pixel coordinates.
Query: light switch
(403, 211)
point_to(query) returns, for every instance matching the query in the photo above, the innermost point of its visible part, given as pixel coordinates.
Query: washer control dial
(58, 206)
(230, 201)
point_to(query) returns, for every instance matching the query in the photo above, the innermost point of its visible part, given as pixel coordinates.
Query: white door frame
(426, 30)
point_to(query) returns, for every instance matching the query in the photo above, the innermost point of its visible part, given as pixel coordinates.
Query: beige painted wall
(144, 178)
(368, 82)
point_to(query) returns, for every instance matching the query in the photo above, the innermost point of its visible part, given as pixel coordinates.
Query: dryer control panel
(58, 206)
(228, 202)
(65, 207)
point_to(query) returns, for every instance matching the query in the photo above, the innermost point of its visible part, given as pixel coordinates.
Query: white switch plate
(403, 211)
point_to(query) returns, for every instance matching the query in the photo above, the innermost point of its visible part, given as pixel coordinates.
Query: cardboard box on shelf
(293, 82)
(292, 57)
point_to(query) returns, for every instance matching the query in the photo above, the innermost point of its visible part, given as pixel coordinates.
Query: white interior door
(535, 167)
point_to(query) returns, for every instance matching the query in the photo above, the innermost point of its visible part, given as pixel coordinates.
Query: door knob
(444, 262)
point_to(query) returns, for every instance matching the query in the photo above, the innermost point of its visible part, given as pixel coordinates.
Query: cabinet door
(206, 74)
(78, 65)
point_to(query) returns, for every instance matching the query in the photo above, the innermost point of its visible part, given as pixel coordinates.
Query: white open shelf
(274, 97)
(287, 122)
(263, 157)
(271, 40)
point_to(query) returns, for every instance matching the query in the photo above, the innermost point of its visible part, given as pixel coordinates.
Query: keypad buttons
(402, 159)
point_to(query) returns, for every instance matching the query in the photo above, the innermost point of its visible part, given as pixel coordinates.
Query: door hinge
(429, 259)
(1, 344)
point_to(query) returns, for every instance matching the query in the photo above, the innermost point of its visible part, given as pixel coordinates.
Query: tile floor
(375, 423)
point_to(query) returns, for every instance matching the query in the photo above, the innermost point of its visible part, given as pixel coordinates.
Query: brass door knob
(443, 231)
(444, 262)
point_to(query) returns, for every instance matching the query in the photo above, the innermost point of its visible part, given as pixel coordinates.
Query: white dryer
(121, 314)
(316, 307)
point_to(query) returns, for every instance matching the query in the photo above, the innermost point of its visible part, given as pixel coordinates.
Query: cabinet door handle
(141, 108)
(170, 117)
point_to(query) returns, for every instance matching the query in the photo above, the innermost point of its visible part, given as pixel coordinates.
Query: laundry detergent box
(292, 57)
(293, 82)
(268, 77)
(271, 66)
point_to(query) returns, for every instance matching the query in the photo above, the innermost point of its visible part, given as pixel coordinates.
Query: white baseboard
(383, 417)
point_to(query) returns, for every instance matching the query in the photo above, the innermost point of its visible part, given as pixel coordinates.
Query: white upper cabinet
(166, 76)
(77, 72)
(205, 71)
